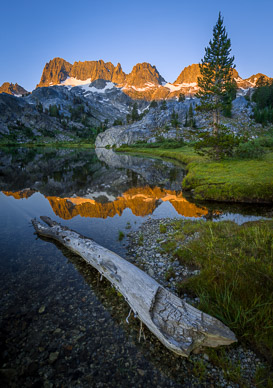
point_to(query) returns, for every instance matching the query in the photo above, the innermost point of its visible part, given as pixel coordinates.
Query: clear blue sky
(170, 34)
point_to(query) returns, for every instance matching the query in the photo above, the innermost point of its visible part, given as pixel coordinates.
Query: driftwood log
(179, 326)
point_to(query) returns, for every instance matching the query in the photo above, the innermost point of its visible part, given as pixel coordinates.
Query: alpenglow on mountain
(15, 90)
(143, 82)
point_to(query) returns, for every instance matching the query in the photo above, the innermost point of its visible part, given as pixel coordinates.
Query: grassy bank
(231, 180)
(235, 283)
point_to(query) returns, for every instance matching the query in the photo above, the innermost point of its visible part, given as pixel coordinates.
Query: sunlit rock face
(13, 89)
(144, 82)
(55, 72)
(142, 201)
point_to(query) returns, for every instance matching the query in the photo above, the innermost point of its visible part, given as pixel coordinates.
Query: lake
(61, 325)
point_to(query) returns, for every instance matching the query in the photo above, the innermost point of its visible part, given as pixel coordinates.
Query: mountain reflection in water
(141, 200)
(104, 184)
(95, 184)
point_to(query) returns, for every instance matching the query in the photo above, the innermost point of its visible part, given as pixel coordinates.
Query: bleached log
(179, 326)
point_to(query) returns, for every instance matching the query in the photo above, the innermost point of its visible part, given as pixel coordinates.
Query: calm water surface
(60, 326)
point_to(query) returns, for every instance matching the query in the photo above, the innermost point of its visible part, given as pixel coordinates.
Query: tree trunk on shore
(179, 326)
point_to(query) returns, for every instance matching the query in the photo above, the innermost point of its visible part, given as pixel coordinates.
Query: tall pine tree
(216, 73)
(216, 79)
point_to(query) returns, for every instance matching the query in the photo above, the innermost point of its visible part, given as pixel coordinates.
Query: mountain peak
(55, 72)
(144, 73)
(255, 77)
(13, 89)
(119, 76)
(189, 74)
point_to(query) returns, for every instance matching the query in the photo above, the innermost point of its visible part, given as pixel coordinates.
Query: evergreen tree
(215, 84)
(191, 117)
(263, 96)
(229, 97)
(174, 119)
(163, 105)
(53, 111)
(181, 97)
(153, 104)
(135, 114)
(117, 122)
(186, 120)
(39, 107)
(216, 73)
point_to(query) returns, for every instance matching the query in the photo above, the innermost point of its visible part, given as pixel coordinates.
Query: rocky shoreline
(145, 251)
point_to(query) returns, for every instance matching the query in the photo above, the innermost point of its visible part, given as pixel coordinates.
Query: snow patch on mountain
(148, 86)
(71, 81)
(92, 89)
(174, 88)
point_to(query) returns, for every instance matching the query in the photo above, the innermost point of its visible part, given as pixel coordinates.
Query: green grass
(231, 180)
(235, 283)
(264, 377)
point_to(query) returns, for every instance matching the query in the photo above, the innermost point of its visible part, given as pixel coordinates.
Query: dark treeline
(263, 96)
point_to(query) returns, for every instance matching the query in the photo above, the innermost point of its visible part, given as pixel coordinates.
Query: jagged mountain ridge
(13, 89)
(143, 82)
(57, 70)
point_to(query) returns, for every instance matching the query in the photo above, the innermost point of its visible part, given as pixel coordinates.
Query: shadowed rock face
(21, 113)
(149, 127)
(18, 113)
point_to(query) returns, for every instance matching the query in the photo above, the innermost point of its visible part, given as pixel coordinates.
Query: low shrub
(249, 150)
